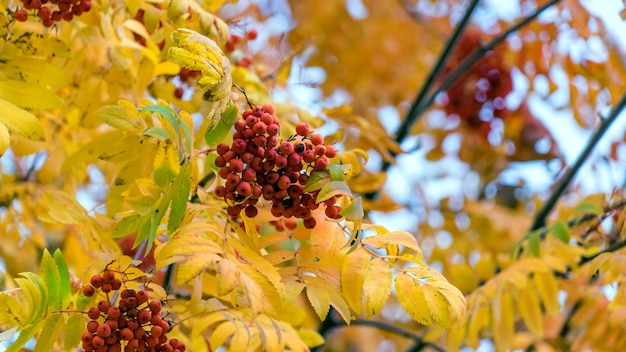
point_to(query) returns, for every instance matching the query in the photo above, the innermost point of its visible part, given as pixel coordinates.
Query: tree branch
(540, 218)
(421, 102)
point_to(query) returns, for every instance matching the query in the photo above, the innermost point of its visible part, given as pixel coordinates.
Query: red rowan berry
(303, 178)
(21, 15)
(236, 165)
(331, 211)
(268, 191)
(272, 130)
(281, 161)
(240, 125)
(321, 164)
(113, 324)
(57, 16)
(331, 152)
(103, 330)
(115, 348)
(103, 306)
(320, 149)
(128, 293)
(132, 312)
(252, 34)
(309, 223)
(294, 159)
(251, 211)
(92, 326)
(126, 334)
(269, 108)
(142, 296)
(299, 147)
(302, 129)
(179, 92)
(244, 188)
(88, 291)
(272, 142)
(260, 127)
(247, 157)
(251, 121)
(317, 139)
(111, 339)
(87, 337)
(106, 288)
(122, 322)
(94, 313)
(291, 224)
(224, 172)
(155, 306)
(131, 301)
(96, 281)
(132, 324)
(272, 177)
(67, 15)
(144, 316)
(239, 146)
(156, 331)
(167, 348)
(116, 284)
(97, 341)
(44, 13)
(114, 312)
(247, 113)
(280, 194)
(270, 154)
(165, 326)
(108, 277)
(248, 175)
(233, 211)
(48, 22)
(220, 191)
(220, 161)
(156, 319)
(286, 148)
(140, 334)
(222, 148)
(266, 119)
(152, 341)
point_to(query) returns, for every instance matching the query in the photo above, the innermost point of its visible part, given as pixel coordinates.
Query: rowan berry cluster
(134, 324)
(186, 76)
(51, 11)
(258, 165)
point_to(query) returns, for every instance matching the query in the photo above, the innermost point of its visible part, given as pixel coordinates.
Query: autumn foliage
(258, 176)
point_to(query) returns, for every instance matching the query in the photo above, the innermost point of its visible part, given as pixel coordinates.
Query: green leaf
(317, 180)
(50, 332)
(589, 208)
(339, 172)
(65, 285)
(181, 189)
(215, 134)
(534, 241)
(21, 121)
(175, 121)
(118, 117)
(148, 230)
(74, 329)
(157, 133)
(50, 275)
(561, 231)
(332, 189)
(354, 211)
(25, 336)
(36, 295)
(128, 224)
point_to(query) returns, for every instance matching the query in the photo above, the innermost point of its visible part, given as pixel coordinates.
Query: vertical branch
(540, 218)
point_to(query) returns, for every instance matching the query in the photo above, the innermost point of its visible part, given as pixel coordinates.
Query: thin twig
(387, 327)
(540, 218)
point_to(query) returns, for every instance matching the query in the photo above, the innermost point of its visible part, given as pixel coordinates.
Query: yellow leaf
(246, 256)
(118, 117)
(352, 278)
(478, 321)
(318, 297)
(334, 295)
(4, 139)
(12, 312)
(548, 291)
(310, 337)
(503, 319)
(269, 330)
(221, 333)
(227, 277)
(530, 309)
(29, 95)
(21, 121)
(412, 298)
(376, 286)
(394, 238)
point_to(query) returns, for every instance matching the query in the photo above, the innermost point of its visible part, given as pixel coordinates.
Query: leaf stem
(540, 218)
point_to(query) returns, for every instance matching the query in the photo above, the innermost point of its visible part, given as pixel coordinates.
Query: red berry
(291, 224)
(331, 152)
(179, 92)
(220, 191)
(252, 34)
(321, 164)
(44, 13)
(286, 148)
(67, 15)
(88, 291)
(103, 306)
(126, 334)
(248, 175)
(309, 223)
(97, 341)
(317, 139)
(272, 130)
(114, 312)
(104, 330)
(106, 288)
(244, 188)
(283, 182)
(155, 306)
(144, 316)
(94, 313)
(116, 284)
(21, 15)
(251, 211)
(302, 129)
(236, 165)
(92, 326)
(96, 281)
(57, 16)
(281, 161)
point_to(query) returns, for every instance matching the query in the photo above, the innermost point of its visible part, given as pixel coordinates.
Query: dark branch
(540, 219)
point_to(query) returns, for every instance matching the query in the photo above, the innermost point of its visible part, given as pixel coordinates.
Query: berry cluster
(135, 324)
(234, 41)
(258, 165)
(479, 95)
(55, 11)
(186, 76)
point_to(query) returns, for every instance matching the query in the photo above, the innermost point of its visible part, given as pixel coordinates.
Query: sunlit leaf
(21, 121)
(216, 132)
